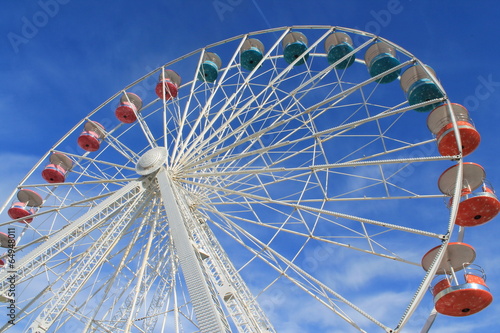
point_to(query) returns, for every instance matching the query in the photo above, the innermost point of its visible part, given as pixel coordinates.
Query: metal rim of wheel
(285, 179)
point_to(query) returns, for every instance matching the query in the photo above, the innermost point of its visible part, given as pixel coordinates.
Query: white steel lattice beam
(167, 266)
(156, 264)
(97, 254)
(70, 234)
(207, 309)
(89, 325)
(239, 301)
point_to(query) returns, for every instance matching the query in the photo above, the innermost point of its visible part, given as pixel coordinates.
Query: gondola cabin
(6, 241)
(478, 202)
(91, 137)
(381, 58)
(128, 108)
(209, 69)
(58, 168)
(19, 210)
(251, 53)
(454, 295)
(168, 84)
(440, 123)
(28, 202)
(295, 47)
(337, 46)
(419, 86)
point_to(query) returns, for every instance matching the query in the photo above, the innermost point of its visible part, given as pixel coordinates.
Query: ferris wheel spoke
(83, 183)
(29, 306)
(229, 100)
(110, 282)
(325, 135)
(192, 208)
(167, 271)
(122, 149)
(241, 110)
(266, 200)
(250, 185)
(315, 168)
(147, 132)
(95, 161)
(239, 134)
(325, 239)
(236, 296)
(302, 279)
(69, 235)
(339, 96)
(155, 266)
(84, 270)
(140, 285)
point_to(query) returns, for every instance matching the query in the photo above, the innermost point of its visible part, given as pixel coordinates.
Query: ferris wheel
(296, 172)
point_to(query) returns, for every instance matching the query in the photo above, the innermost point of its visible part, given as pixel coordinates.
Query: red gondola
(6, 241)
(130, 105)
(168, 84)
(28, 200)
(440, 124)
(451, 296)
(478, 202)
(91, 137)
(59, 166)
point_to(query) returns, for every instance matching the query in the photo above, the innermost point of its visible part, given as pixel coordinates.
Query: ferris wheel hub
(151, 161)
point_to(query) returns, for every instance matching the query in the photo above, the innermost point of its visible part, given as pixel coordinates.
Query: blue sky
(60, 59)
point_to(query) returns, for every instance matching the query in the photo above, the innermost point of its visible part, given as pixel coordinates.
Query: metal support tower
(239, 301)
(206, 305)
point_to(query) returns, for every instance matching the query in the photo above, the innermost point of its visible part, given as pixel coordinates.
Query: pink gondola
(168, 84)
(130, 105)
(28, 203)
(58, 168)
(91, 137)
(6, 241)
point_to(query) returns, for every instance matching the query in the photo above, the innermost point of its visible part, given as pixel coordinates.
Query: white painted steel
(241, 202)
